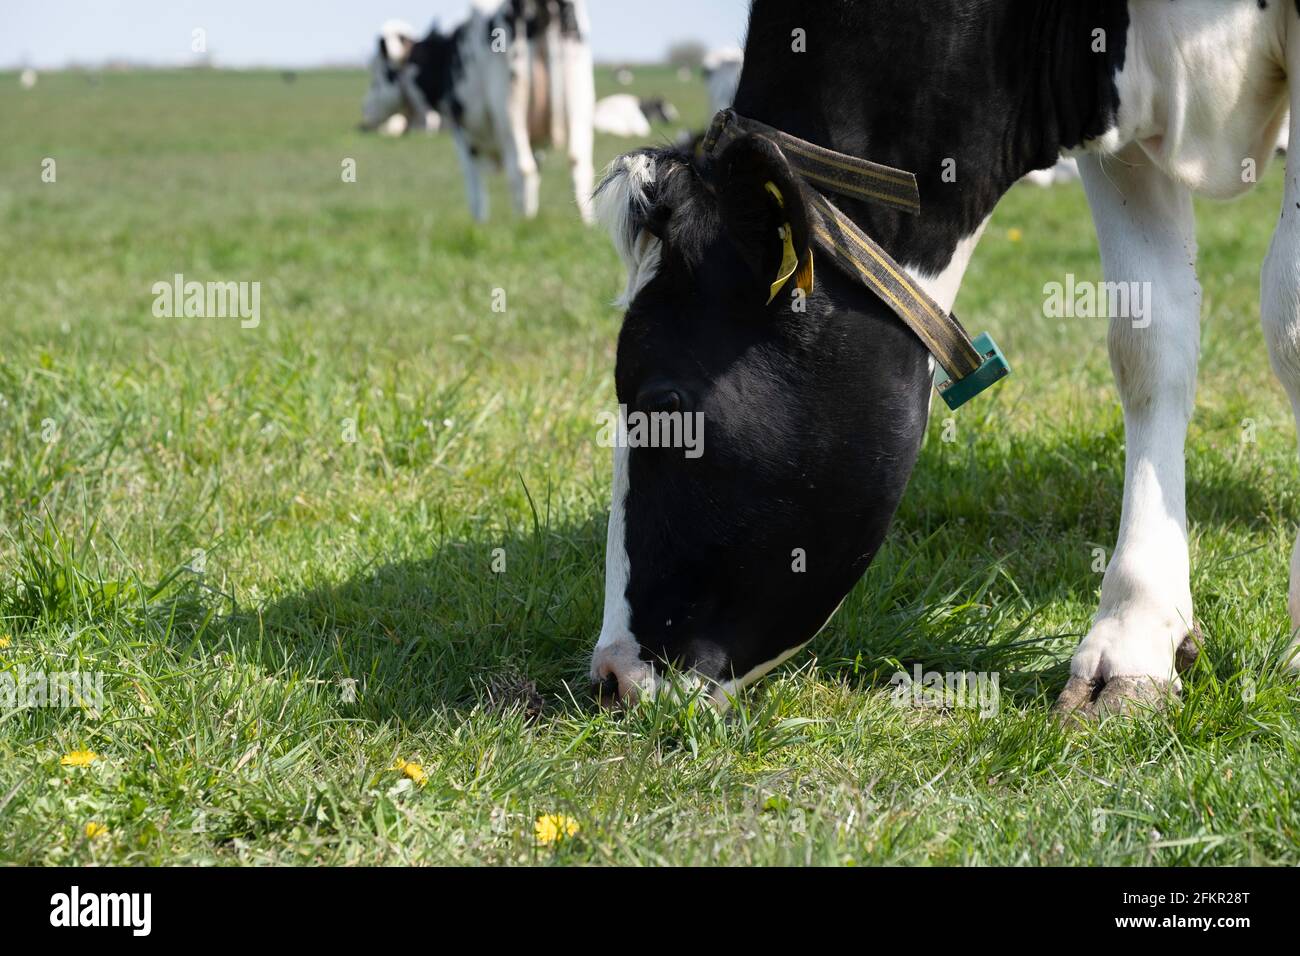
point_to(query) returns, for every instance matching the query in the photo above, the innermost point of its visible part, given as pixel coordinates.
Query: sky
(300, 33)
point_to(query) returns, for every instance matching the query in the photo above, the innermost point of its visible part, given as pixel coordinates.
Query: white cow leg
(511, 125)
(507, 80)
(473, 168)
(521, 171)
(1280, 313)
(583, 182)
(1147, 235)
(580, 107)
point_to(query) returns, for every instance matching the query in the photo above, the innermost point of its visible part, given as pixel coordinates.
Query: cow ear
(765, 214)
(397, 53)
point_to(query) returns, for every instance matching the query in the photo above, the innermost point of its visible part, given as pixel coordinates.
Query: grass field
(276, 543)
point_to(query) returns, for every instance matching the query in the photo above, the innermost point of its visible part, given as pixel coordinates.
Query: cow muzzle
(619, 678)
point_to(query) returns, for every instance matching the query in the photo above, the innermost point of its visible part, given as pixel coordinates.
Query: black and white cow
(620, 115)
(514, 78)
(814, 419)
(659, 110)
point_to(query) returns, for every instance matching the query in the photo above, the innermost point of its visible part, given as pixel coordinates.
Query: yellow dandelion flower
(94, 829)
(5, 641)
(79, 758)
(554, 827)
(1014, 234)
(412, 770)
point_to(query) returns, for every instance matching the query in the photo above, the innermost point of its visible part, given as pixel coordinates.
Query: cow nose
(618, 675)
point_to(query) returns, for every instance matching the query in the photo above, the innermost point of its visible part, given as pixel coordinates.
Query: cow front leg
(525, 179)
(584, 176)
(1280, 313)
(473, 166)
(1146, 230)
(510, 121)
(579, 112)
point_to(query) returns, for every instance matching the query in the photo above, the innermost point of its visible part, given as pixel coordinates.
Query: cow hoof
(1092, 698)
(1085, 699)
(1130, 696)
(1189, 649)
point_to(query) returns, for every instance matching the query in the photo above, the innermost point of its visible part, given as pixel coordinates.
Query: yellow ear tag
(789, 258)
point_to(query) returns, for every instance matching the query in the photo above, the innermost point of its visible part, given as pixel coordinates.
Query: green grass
(199, 532)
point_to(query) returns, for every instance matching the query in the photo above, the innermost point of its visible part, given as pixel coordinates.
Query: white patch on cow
(617, 651)
(621, 203)
(1066, 170)
(398, 36)
(617, 622)
(1203, 88)
(944, 285)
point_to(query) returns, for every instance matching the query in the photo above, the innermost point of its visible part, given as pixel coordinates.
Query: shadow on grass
(410, 637)
(980, 550)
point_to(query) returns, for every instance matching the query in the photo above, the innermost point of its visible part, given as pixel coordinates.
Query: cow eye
(660, 398)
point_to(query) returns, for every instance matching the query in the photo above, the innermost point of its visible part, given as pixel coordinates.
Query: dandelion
(554, 827)
(5, 641)
(79, 758)
(94, 829)
(1014, 234)
(412, 770)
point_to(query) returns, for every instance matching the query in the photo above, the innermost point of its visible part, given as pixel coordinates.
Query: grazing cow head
(659, 110)
(410, 77)
(726, 560)
(385, 97)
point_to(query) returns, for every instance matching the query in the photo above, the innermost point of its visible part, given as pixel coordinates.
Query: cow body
(814, 419)
(621, 115)
(514, 79)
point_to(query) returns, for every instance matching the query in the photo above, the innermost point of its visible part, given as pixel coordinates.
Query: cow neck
(968, 94)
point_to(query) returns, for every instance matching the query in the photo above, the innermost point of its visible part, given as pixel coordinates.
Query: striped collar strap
(967, 366)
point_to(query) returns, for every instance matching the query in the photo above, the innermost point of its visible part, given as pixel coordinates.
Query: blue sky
(53, 33)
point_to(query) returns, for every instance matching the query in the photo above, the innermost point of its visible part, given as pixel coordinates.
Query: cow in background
(722, 75)
(623, 114)
(514, 78)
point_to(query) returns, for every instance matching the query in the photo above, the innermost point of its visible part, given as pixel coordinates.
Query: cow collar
(966, 367)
